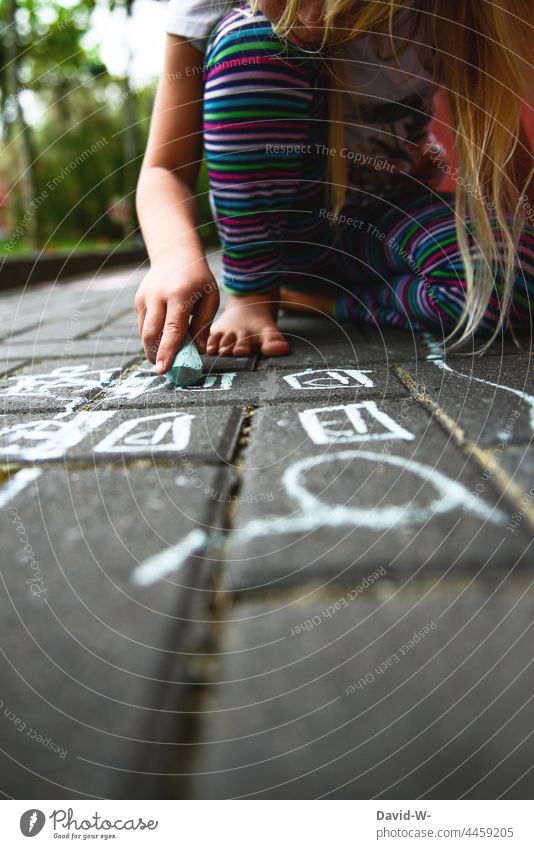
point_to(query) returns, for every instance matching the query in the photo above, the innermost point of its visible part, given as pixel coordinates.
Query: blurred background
(77, 82)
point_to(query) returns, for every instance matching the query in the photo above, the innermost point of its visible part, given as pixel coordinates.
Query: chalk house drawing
(60, 382)
(48, 439)
(159, 432)
(362, 422)
(345, 378)
(313, 512)
(145, 380)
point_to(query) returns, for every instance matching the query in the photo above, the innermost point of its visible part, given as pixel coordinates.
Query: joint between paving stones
(483, 457)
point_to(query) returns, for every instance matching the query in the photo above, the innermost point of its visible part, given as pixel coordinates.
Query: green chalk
(187, 366)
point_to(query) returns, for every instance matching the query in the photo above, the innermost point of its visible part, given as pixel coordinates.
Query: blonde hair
(481, 55)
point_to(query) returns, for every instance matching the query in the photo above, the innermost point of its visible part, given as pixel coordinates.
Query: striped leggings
(391, 260)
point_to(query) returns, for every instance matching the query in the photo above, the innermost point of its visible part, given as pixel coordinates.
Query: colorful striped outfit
(392, 255)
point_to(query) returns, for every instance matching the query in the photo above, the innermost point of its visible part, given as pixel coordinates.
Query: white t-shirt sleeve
(195, 19)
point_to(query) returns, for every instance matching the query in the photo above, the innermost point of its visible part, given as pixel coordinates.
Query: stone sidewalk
(305, 577)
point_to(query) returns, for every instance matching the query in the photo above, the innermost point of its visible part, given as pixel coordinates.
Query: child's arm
(179, 281)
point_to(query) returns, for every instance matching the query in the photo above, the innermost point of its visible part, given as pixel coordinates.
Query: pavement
(304, 577)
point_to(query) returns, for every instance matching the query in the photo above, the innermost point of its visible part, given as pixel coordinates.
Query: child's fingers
(140, 308)
(152, 325)
(203, 315)
(176, 324)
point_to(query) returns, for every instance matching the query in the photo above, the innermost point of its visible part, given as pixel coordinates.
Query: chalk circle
(440, 496)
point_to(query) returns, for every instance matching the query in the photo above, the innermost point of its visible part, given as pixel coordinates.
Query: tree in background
(84, 151)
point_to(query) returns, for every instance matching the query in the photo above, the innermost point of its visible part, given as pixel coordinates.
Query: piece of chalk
(187, 365)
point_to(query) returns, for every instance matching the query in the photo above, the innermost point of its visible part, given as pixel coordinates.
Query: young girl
(324, 178)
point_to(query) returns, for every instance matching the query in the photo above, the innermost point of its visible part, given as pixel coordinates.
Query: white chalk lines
(347, 426)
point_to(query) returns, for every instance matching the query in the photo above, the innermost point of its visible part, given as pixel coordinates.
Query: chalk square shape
(108, 585)
(373, 691)
(58, 385)
(350, 490)
(110, 436)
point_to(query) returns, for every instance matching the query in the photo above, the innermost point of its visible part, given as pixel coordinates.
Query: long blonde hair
(482, 51)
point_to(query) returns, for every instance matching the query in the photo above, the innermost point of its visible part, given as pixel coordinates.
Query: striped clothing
(266, 141)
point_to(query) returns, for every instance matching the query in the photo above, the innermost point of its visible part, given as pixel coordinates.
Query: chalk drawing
(213, 382)
(135, 384)
(144, 380)
(361, 422)
(435, 356)
(66, 383)
(169, 560)
(47, 439)
(159, 432)
(16, 484)
(345, 378)
(314, 512)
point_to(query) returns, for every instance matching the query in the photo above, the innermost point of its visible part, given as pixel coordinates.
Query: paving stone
(92, 436)
(59, 332)
(396, 694)
(518, 462)
(318, 343)
(402, 345)
(116, 330)
(217, 363)
(105, 595)
(333, 489)
(9, 363)
(97, 347)
(491, 399)
(144, 387)
(56, 386)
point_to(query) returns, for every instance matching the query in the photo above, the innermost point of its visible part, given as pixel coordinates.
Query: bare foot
(248, 323)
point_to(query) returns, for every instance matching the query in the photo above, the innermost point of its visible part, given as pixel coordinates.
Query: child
(323, 175)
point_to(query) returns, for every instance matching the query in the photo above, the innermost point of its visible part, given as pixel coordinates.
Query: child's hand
(167, 296)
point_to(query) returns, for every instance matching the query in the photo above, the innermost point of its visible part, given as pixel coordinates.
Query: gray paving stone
(396, 694)
(105, 596)
(90, 347)
(146, 388)
(492, 399)
(404, 345)
(518, 462)
(104, 436)
(10, 363)
(59, 386)
(217, 363)
(116, 330)
(317, 343)
(333, 489)
(61, 332)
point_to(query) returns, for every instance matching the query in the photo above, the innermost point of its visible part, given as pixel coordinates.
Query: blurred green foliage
(86, 145)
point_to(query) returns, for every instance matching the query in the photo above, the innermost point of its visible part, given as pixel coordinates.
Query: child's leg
(264, 111)
(407, 270)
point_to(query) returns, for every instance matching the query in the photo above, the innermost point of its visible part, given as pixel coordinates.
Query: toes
(243, 345)
(213, 342)
(273, 344)
(227, 343)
